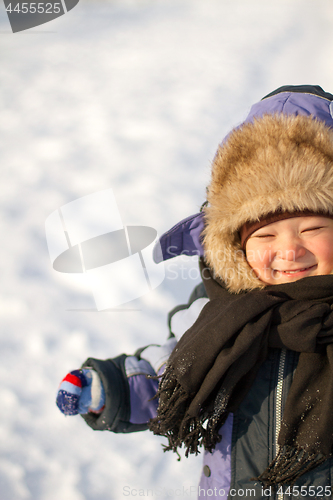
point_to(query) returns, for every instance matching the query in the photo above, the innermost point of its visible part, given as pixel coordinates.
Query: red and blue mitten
(81, 391)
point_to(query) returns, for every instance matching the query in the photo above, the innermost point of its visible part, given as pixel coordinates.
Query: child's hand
(81, 391)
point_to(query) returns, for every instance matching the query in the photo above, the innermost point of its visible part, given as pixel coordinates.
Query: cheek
(323, 252)
(258, 257)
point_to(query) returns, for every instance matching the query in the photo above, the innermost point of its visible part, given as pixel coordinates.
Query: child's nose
(291, 250)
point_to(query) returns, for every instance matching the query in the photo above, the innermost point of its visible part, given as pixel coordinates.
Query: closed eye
(313, 228)
(264, 235)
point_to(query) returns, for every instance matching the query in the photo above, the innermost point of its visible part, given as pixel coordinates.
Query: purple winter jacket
(249, 436)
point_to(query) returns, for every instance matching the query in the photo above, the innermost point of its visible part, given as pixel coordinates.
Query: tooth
(294, 271)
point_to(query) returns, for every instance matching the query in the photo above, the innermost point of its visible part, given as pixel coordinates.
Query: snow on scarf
(217, 359)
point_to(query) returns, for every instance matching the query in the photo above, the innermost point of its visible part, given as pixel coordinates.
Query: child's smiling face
(291, 249)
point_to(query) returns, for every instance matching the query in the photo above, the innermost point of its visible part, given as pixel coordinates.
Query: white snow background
(133, 96)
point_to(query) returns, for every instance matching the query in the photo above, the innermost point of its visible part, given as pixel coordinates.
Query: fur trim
(278, 162)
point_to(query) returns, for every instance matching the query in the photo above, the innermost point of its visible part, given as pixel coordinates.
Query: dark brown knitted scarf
(217, 359)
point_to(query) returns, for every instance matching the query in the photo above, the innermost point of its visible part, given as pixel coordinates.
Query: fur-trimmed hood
(275, 161)
(280, 158)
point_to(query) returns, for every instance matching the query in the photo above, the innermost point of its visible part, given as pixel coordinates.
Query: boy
(251, 377)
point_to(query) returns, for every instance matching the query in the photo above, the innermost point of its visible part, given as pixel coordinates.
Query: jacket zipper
(278, 405)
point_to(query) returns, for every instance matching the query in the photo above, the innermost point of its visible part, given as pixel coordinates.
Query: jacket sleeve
(127, 380)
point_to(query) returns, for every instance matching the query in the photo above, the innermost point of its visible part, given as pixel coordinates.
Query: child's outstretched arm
(118, 396)
(115, 394)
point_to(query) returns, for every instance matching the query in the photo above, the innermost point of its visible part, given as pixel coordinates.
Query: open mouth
(296, 271)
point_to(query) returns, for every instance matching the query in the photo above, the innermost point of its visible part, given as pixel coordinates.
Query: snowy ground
(133, 96)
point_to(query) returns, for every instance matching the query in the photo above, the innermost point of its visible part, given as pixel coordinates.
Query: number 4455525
(33, 8)
(306, 491)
